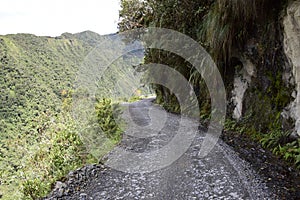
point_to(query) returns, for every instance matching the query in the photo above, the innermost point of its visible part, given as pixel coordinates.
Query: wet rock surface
(220, 175)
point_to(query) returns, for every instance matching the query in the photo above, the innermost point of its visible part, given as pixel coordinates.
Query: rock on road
(220, 175)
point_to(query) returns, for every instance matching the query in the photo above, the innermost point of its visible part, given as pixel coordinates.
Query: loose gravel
(223, 174)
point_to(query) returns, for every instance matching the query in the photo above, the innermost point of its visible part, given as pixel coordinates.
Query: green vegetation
(107, 114)
(58, 151)
(226, 26)
(39, 138)
(276, 140)
(290, 152)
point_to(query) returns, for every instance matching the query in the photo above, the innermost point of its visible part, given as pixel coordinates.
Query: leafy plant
(291, 152)
(230, 125)
(107, 114)
(274, 138)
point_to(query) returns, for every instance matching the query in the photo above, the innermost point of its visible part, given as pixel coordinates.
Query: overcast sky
(54, 17)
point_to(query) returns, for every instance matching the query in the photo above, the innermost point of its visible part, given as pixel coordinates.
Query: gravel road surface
(220, 175)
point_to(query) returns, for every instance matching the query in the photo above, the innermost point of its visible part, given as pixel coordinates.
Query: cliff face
(291, 23)
(264, 93)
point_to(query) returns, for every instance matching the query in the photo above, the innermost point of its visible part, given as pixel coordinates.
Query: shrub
(58, 151)
(108, 114)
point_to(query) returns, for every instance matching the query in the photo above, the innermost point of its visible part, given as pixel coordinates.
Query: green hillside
(36, 69)
(38, 137)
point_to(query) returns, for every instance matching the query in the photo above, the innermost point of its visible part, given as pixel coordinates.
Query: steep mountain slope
(34, 71)
(37, 76)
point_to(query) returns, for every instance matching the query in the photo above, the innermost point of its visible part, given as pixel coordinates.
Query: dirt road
(220, 175)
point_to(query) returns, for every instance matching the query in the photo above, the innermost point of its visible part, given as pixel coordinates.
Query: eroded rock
(291, 24)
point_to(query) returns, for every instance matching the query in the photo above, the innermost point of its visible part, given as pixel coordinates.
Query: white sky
(54, 17)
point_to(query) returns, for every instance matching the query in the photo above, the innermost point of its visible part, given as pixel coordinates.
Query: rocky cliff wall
(266, 89)
(291, 24)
